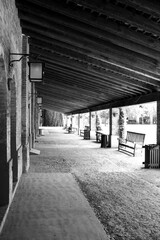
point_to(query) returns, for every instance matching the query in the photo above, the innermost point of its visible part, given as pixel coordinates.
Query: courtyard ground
(123, 195)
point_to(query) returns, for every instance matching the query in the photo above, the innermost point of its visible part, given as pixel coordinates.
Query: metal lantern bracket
(22, 56)
(17, 60)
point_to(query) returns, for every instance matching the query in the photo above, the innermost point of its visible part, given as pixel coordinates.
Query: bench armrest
(131, 142)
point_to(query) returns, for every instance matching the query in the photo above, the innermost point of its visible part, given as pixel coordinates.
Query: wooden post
(97, 122)
(78, 124)
(71, 121)
(110, 127)
(90, 120)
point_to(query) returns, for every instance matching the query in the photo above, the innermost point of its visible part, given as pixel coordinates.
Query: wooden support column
(110, 127)
(78, 124)
(97, 121)
(71, 120)
(67, 119)
(33, 114)
(90, 125)
(158, 122)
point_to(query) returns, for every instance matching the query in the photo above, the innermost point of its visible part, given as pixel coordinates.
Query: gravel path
(124, 196)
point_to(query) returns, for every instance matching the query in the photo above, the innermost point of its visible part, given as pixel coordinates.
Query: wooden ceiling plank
(109, 82)
(110, 89)
(77, 87)
(121, 14)
(114, 54)
(77, 102)
(97, 83)
(146, 6)
(38, 16)
(99, 22)
(76, 65)
(81, 93)
(97, 80)
(131, 82)
(72, 92)
(133, 75)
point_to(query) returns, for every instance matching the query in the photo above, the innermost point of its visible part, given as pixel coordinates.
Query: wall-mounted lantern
(36, 71)
(39, 100)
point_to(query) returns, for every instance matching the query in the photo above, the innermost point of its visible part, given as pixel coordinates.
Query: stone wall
(10, 99)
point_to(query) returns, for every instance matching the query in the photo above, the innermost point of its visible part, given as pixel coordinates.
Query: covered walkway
(97, 55)
(71, 182)
(49, 203)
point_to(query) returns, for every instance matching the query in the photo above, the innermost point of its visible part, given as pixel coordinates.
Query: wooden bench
(132, 142)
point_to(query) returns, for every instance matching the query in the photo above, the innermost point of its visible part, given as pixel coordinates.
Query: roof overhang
(97, 54)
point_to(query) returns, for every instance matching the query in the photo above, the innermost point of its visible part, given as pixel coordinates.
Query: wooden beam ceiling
(98, 54)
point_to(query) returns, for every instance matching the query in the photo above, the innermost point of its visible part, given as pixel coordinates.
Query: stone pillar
(26, 96)
(158, 122)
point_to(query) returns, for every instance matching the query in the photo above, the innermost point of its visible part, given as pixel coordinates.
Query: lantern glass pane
(39, 100)
(36, 71)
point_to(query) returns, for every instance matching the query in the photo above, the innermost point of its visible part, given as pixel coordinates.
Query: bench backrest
(135, 137)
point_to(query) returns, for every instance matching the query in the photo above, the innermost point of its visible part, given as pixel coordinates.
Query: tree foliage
(52, 118)
(143, 113)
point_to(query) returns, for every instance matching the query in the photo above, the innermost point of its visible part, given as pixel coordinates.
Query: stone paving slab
(51, 206)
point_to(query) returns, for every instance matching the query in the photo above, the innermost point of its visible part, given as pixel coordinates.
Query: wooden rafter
(98, 54)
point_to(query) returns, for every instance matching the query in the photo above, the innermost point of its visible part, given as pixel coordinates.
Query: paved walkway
(51, 206)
